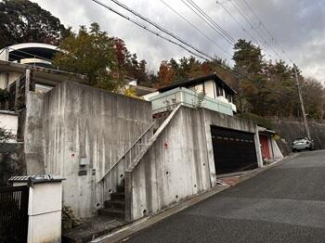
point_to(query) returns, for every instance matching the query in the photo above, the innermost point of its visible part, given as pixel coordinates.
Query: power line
(204, 57)
(195, 27)
(266, 29)
(159, 27)
(208, 23)
(243, 28)
(208, 20)
(240, 11)
(211, 20)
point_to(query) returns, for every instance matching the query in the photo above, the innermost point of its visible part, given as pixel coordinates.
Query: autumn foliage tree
(165, 74)
(91, 52)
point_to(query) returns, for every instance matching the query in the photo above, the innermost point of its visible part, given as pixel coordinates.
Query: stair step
(120, 188)
(118, 204)
(118, 196)
(119, 213)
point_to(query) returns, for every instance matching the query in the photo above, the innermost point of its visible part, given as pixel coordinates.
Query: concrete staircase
(115, 207)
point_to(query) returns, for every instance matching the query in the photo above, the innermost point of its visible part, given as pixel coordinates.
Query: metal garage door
(233, 150)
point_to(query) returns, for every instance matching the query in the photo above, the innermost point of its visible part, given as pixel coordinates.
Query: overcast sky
(298, 25)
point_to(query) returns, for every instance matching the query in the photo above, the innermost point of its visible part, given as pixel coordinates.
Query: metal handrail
(128, 150)
(153, 139)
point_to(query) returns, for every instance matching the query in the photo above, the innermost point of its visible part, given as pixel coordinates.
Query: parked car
(302, 144)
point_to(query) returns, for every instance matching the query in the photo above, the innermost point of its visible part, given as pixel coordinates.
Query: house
(28, 66)
(34, 54)
(214, 92)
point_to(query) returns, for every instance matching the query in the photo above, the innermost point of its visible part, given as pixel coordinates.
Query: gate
(14, 214)
(233, 150)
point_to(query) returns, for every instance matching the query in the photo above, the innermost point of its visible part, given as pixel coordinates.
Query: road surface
(284, 204)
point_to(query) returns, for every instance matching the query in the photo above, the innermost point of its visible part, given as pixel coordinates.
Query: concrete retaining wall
(180, 163)
(83, 131)
(290, 130)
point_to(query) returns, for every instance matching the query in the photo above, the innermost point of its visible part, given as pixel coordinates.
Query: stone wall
(289, 130)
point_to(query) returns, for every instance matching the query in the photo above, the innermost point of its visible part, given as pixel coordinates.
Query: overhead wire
(160, 28)
(246, 18)
(204, 57)
(207, 19)
(242, 27)
(195, 27)
(211, 20)
(274, 40)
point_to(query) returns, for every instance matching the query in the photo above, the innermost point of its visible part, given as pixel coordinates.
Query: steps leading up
(115, 207)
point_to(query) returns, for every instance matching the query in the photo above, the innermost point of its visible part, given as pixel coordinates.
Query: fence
(14, 214)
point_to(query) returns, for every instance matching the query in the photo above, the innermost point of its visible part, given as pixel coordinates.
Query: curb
(125, 232)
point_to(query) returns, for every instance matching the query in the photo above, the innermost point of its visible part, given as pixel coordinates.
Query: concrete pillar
(44, 207)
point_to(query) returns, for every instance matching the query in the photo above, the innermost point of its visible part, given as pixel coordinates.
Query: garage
(233, 150)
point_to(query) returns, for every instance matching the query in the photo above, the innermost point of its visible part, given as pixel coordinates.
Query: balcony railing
(171, 99)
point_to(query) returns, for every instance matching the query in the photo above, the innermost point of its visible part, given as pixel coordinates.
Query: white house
(217, 95)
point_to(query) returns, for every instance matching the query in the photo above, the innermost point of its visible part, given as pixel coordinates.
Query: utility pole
(301, 103)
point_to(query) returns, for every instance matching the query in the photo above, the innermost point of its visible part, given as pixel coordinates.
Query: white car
(302, 144)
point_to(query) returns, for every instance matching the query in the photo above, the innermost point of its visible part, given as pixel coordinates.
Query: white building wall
(210, 89)
(4, 54)
(276, 150)
(13, 77)
(3, 80)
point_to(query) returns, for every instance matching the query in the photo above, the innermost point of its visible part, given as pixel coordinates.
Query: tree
(24, 21)
(91, 52)
(165, 74)
(128, 64)
(247, 57)
(314, 98)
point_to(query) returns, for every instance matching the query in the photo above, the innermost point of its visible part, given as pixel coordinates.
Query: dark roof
(199, 80)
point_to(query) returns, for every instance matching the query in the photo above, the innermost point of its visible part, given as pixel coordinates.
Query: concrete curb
(125, 232)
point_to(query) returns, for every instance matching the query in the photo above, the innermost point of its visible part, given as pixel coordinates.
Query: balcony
(170, 99)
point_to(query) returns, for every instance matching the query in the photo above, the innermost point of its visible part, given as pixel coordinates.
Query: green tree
(91, 52)
(25, 21)
(314, 98)
(247, 57)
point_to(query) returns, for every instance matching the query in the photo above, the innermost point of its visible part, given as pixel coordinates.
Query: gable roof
(199, 80)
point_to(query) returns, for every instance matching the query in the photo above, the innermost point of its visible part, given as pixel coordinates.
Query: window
(219, 91)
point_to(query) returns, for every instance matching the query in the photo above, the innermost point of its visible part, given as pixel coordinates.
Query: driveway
(284, 204)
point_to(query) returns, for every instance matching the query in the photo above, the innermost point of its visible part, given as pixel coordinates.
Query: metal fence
(13, 214)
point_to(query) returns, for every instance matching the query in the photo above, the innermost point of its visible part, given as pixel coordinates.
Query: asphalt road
(284, 204)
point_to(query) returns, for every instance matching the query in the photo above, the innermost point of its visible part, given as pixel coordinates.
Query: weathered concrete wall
(33, 134)
(290, 130)
(180, 163)
(12, 162)
(83, 125)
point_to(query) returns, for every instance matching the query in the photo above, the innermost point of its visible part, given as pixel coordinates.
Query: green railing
(170, 99)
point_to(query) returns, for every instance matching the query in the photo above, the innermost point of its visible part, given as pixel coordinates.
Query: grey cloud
(296, 24)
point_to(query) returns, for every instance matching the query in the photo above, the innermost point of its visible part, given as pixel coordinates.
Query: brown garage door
(233, 150)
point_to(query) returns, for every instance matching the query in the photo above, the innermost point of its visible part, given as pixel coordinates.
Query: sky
(296, 25)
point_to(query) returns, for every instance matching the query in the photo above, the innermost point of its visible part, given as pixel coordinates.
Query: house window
(229, 97)
(219, 91)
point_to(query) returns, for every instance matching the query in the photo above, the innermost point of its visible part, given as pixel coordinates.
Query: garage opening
(234, 151)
